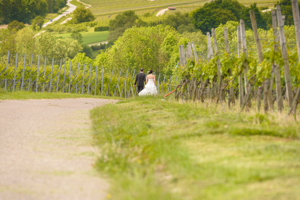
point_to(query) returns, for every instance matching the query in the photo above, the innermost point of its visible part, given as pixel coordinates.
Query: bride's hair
(150, 72)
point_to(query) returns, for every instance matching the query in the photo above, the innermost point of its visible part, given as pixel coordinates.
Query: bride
(150, 88)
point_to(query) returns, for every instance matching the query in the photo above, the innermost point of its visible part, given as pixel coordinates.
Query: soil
(46, 150)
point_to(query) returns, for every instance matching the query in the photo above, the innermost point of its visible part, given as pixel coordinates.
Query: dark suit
(140, 80)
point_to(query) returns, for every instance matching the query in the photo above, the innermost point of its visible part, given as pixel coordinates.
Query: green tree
(122, 22)
(77, 36)
(147, 47)
(217, 12)
(15, 25)
(45, 43)
(37, 22)
(181, 22)
(66, 48)
(25, 42)
(82, 14)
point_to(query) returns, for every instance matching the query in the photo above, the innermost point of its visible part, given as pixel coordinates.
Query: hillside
(109, 7)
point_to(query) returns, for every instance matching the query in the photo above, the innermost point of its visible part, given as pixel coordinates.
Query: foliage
(101, 28)
(15, 25)
(82, 14)
(25, 10)
(147, 47)
(66, 48)
(66, 28)
(220, 11)
(181, 22)
(286, 9)
(76, 36)
(38, 21)
(55, 5)
(122, 22)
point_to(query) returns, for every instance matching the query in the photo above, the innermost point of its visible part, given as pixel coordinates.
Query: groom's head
(141, 70)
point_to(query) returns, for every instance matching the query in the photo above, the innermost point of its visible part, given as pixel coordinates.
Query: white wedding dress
(150, 89)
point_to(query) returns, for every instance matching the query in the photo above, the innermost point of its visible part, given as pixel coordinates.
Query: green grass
(40, 95)
(154, 149)
(88, 37)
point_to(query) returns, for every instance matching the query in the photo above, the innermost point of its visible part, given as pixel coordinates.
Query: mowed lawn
(88, 37)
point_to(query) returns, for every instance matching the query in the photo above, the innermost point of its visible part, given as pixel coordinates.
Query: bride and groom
(150, 88)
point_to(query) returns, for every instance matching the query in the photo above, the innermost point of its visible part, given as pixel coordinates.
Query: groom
(140, 80)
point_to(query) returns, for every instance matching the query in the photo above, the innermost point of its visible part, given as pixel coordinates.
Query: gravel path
(46, 150)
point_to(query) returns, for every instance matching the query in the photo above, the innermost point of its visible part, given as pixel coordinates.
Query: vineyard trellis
(32, 73)
(242, 75)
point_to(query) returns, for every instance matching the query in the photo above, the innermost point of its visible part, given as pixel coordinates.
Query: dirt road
(46, 150)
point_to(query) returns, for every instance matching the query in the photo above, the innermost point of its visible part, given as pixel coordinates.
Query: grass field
(40, 95)
(154, 149)
(110, 7)
(88, 37)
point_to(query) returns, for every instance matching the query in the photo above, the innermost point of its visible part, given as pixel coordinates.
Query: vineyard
(39, 74)
(268, 71)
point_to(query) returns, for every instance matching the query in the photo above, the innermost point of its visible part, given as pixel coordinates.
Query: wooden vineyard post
(57, 82)
(195, 52)
(50, 83)
(209, 47)
(118, 82)
(162, 88)
(30, 72)
(277, 69)
(44, 74)
(182, 56)
(169, 84)
(7, 63)
(295, 8)
(285, 57)
(266, 82)
(256, 36)
(260, 58)
(130, 89)
(231, 95)
(259, 91)
(102, 80)
(82, 84)
(23, 72)
(109, 81)
(244, 48)
(219, 95)
(70, 76)
(89, 79)
(96, 81)
(37, 75)
(16, 66)
(63, 89)
(240, 76)
(189, 53)
(125, 84)
(77, 79)
(158, 83)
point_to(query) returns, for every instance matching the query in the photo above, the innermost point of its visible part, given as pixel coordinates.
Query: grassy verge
(153, 149)
(40, 95)
(88, 37)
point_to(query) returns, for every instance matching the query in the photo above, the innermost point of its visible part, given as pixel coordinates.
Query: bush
(101, 28)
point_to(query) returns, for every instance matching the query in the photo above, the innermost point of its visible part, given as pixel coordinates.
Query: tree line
(26, 10)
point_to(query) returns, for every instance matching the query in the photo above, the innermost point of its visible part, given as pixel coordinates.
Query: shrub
(101, 28)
